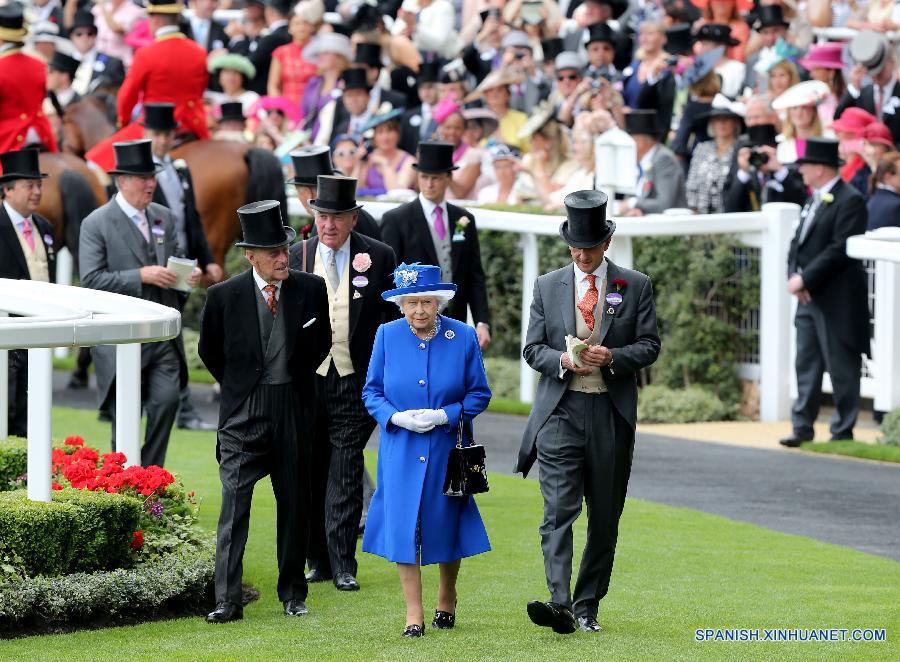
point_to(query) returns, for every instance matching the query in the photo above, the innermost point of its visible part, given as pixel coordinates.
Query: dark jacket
(12, 259)
(109, 72)
(405, 229)
(884, 209)
(736, 194)
(216, 38)
(836, 282)
(230, 345)
(660, 96)
(262, 57)
(368, 310)
(866, 101)
(197, 247)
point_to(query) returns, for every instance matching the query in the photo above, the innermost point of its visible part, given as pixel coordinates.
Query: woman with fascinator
(419, 403)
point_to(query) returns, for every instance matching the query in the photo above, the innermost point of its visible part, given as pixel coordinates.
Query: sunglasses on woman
(562, 77)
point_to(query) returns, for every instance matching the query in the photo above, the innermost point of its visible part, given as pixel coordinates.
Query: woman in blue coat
(425, 374)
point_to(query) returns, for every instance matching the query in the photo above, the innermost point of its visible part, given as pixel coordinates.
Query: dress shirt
(19, 222)
(200, 29)
(262, 284)
(441, 246)
(342, 256)
(133, 213)
(809, 217)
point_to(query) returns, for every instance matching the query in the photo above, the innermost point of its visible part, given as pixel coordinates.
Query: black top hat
(642, 122)
(717, 33)
(262, 226)
(83, 19)
(678, 39)
(159, 116)
(21, 164)
(134, 157)
(601, 32)
(232, 111)
(586, 224)
(64, 63)
(429, 71)
(823, 151)
(435, 156)
(12, 23)
(551, 48)
(309, 163)
(762, 134)
(335, 194)
(354, 78)
(368, 53)
(768, 16)
(450, 74)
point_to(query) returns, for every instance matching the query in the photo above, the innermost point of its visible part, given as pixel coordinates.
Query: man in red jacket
(23, 82)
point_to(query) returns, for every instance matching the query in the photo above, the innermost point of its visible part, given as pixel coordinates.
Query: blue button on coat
(409, 490)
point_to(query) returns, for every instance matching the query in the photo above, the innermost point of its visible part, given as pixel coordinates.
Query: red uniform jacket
(23, 86)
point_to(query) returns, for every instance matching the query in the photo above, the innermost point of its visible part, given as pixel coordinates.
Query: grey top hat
(870, 49)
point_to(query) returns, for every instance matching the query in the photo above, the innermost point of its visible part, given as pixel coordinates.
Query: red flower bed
(82, 468)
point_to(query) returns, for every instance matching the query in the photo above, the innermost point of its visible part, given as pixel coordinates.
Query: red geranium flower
(74, 441)
(55, 485)
(87, 454)
(137, 540)
(114, 458)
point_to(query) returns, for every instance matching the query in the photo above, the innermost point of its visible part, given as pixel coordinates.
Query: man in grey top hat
(581, 428)
(874, 57)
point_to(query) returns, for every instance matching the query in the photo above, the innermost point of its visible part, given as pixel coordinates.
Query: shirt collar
(428, 207)
(261, 283)
(14, 216)
(124, 205)
(829, 185)
(274, 25)
(167, 30)
(599, 272)
(343, 250)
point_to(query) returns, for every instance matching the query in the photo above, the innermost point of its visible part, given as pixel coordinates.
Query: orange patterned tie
(271, 301)
(589, 302)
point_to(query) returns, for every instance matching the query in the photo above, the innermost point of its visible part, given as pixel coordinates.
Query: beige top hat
(493, 79)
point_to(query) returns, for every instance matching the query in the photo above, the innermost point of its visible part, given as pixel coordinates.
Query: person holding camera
(518, 58)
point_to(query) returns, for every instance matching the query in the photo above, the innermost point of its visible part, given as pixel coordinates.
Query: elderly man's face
(758, 112)
(589, 259)
(137, 189)
(567, 80)
(24, 195)
(270, 263)
(334, 229)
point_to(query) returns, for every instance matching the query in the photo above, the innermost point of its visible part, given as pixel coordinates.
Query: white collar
(126, 207)
(428, 207)
(647, 159)
(14, 216)
(828, 186)
(344, 249)
(261, 284)
(167, 30)
(274, 25)
(599, 272)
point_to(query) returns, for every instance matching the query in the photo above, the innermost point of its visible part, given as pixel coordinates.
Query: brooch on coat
(449, 334)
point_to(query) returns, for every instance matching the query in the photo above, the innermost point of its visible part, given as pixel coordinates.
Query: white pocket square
(309, 323)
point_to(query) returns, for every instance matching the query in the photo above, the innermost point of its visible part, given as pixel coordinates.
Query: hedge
(660, 404)
(78, 531)
(13, 461)
(890, 427)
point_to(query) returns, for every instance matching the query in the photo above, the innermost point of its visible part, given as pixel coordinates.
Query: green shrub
(660, 404)
(77, 531)
(890, 427)
(13, 462)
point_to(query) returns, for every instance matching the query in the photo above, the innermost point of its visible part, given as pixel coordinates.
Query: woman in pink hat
(877, 141)
(849, 130)
(825, 63)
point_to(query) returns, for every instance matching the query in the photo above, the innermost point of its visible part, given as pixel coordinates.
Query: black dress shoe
(344, 581)
(317, 575)
(443, 620)
(414, 630)
(295, 608)
(225, 612)
(197, 425)
(78, 382)
(793, 441)
(588, 624)
(552, 615)
(846, 437)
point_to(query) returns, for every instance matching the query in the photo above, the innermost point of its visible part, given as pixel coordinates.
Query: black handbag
(466, 473)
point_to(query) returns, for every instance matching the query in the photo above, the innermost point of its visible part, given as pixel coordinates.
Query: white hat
(329, 42)
(807, 93)
(310, 11)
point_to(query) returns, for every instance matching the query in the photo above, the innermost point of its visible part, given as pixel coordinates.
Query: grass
(677, 570)
(883, 452)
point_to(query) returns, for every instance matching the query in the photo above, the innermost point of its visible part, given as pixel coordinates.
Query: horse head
(86, 123)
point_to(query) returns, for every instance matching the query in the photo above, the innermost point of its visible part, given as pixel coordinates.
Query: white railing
(769, 230)
(64, 316)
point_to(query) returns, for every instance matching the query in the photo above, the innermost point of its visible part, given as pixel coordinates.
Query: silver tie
(331, 270)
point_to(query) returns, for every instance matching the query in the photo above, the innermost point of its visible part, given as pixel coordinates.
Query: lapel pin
(357, 295)
(360, 281)
(613, 298)
(610, 311)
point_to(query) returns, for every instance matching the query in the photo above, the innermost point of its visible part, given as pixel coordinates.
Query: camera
(671, 61)
(758, 159)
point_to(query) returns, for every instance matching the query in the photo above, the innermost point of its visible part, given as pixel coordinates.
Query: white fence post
(621, 252)
(530, 266)
(775, 312)
(885, 348)
(40, 430)
(128, 402)
(65, 268)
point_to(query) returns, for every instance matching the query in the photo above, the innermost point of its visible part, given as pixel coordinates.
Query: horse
(226, 174)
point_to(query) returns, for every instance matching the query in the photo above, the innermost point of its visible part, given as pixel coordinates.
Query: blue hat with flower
(419, 279)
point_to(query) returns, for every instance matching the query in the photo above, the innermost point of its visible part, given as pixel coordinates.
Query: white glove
(407, 420)
(434, 416)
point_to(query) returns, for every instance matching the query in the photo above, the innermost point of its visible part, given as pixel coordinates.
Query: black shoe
(103, 416)
(77, 382)
(552, 615)
(443, 620)
(413, 631)
(588, 624)
(344, 581)
(196, 424)
(845, 437)
(794, 441)
(317, 575)
(225, 612)
(295, 608)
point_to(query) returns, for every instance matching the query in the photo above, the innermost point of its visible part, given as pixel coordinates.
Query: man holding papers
(125, 247)
(592, 328)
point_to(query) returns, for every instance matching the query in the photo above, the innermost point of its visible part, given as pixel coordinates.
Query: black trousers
(342, 431)
(584, 452)
(820, 350)
(18, 392)
(262, 439)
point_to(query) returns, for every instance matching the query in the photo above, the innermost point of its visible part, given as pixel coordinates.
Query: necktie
(879, 102)
(589, 301)
(808, 213)
(271, 301)
(331, 270)
(28, 234)
(140, 219)
(439, 226)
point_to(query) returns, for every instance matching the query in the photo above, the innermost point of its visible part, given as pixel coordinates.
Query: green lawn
(677, 570)
(882, 452)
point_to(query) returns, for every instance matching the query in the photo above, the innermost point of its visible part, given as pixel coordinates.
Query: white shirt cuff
(562, 371)
(852, 91)
(743, 177)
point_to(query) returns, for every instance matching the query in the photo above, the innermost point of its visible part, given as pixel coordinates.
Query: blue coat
(406, 373)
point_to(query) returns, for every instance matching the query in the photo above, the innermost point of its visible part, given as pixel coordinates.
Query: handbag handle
(459, 432)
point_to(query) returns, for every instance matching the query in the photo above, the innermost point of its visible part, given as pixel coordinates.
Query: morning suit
(663, 187)
(407, 231)
(866, 100)
(343, 426)
(18, 261)
(276, 35)
(111, 252)
(740, 196)
(265, 364)
(832, 330)
(582, 437)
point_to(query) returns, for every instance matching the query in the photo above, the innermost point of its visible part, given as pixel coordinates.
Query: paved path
(841, 501)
